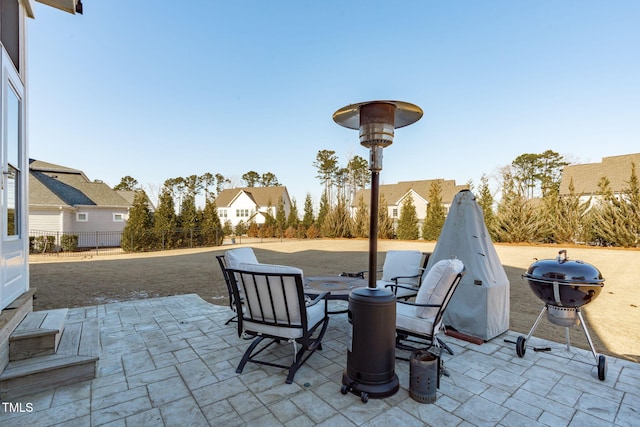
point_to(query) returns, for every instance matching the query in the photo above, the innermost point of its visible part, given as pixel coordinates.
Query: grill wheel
(521, 346)
(602, 367)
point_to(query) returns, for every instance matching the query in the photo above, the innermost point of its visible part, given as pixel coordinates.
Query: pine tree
(188, 218)
(632, 198)
(435, 215)
(485, 201)
(165, 221)
(211, 226)
(547, 216)
(571, 218)
(292, 219)
(361, 220)
(515, 218)
(136, 235)
(281, 218)
(616, 221)
(338, 221)
(408, 221)
(268, 229)
(323, 211)
(308, 219)
(385, 223)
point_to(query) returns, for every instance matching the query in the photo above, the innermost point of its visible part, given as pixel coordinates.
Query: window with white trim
(82, 216)
(118, 217)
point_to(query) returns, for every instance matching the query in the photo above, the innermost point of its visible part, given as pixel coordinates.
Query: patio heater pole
(373, 228)
(370, 368)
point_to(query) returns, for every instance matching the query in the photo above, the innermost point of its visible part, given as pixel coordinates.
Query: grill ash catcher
(564, 286)
(370, 368)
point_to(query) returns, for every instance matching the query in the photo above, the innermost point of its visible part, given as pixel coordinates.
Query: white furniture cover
(480, 305)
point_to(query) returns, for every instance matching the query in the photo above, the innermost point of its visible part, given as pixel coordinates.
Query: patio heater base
(371, 355)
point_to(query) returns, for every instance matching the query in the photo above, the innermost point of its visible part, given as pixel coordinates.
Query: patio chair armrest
(316, 298)
(415, 276)
(394, 287)
(418, 305)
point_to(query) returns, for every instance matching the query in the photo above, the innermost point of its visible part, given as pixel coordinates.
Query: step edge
(32, 333)
(7, 374)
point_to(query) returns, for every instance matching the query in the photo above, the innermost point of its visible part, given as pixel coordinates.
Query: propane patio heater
(371, 356)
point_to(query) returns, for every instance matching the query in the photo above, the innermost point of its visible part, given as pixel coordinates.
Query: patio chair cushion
(435, 285)
(407, 320)
(402, 263)
(235, 257)
(315, 313)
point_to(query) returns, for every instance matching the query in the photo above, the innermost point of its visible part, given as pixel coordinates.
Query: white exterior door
(13, 183)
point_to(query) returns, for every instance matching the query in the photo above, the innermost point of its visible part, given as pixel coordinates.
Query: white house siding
(100, 229)
(242, 203)
(45, 220)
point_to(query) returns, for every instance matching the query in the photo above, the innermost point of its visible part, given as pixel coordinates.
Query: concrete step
(37, 335)
(74, 362)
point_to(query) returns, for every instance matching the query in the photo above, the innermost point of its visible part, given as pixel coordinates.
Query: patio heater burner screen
(564, 286)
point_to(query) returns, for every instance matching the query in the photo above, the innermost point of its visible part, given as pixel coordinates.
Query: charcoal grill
(564, 286)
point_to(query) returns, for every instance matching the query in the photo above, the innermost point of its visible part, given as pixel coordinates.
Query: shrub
(69, 242)
(313, 232)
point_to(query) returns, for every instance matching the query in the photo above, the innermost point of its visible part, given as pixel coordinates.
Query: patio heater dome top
(405, 114)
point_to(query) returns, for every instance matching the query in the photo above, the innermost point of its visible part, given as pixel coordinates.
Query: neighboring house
(395, 195)
(251, 204)
(63, 200)
(14, 241)
(586, 177)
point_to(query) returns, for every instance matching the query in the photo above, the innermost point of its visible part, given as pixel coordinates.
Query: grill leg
(584, 328)
(535, 325)
(566, 334)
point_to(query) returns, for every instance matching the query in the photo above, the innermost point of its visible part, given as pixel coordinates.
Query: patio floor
(171, 361)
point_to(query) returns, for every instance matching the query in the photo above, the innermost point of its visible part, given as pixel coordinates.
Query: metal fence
(68, 243)
(56, 243)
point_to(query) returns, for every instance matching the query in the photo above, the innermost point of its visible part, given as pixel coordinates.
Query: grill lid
(564, 271)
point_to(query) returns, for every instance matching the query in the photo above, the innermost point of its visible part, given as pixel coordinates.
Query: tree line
(177, 219)
(530, 210)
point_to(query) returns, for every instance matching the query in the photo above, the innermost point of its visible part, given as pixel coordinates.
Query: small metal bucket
(424, 370)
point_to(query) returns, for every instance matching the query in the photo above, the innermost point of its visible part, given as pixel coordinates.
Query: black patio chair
(275, 309)
(402, 272)
(419, 322)
(232, 259)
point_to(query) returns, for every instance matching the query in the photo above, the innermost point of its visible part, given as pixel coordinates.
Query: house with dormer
(251, 204)
(64, 200)
(396, 194)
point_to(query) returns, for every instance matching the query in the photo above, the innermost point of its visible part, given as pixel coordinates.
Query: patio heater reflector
(370, 368)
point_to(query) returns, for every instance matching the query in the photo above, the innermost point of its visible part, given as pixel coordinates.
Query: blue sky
(161, 89)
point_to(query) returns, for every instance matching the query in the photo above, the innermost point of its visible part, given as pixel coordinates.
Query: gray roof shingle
(55, 185)
(586, 176)
(393, 193)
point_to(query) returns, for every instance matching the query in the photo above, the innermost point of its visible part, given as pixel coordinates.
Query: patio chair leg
(247, 354)
(445, 346)
(298, 361)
